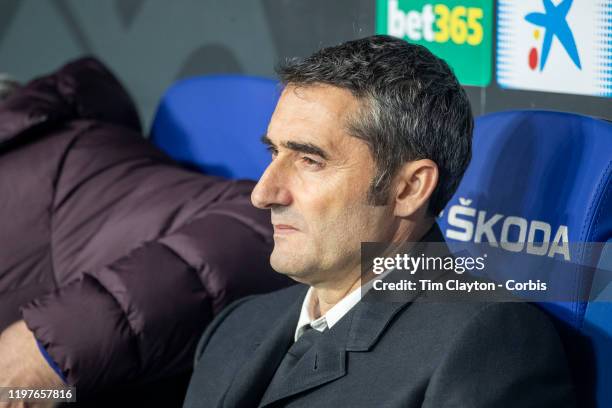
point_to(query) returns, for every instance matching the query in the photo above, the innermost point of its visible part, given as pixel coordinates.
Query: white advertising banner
(561, 46)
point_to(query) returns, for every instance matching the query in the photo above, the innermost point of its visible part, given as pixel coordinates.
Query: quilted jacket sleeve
(139, 318)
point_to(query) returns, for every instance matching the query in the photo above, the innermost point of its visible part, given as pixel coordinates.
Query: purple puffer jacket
(116, 257)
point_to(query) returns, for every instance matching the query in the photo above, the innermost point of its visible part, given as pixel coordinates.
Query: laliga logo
(461, 217)
(555, 25)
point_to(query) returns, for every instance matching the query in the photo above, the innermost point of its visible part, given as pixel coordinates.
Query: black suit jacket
(383, 354)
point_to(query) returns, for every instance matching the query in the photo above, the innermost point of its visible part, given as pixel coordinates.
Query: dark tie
(293, 356)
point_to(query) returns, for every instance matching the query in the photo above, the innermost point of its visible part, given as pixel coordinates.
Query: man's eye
(272, 151)
(310, 162)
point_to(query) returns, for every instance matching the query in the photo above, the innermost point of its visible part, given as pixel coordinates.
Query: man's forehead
(323, 98)
(313, 114)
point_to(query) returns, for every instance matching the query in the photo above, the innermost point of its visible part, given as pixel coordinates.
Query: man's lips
(284, 229)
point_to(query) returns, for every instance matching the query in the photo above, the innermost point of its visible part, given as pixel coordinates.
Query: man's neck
(326, 297)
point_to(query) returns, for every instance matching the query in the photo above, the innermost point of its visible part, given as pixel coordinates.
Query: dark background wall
(150, 44)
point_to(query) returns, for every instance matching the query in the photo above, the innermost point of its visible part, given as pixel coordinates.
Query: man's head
(369, 140)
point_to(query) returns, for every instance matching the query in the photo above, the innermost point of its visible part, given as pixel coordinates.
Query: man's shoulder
(455, 310)
(447, 322)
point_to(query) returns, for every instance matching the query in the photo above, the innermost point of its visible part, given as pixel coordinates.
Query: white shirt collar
(329, 319)
(333, 315)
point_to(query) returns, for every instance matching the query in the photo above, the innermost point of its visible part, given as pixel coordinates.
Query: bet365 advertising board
(459, 31)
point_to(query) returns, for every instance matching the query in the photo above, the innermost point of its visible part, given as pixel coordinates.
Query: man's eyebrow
(307, 148)
(266, 140)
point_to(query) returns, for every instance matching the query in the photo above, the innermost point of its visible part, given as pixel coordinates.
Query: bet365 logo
(457, 31)
(460, 24)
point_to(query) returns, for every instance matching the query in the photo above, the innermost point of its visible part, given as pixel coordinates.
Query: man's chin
(286, 265)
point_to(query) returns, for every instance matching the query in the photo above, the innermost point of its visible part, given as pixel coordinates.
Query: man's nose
(271, 189)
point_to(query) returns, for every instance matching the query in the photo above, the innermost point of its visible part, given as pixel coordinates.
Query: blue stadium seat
(549, 172)
(214, 123)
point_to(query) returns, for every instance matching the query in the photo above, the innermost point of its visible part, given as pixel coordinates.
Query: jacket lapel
(324, 362)
(269, 349)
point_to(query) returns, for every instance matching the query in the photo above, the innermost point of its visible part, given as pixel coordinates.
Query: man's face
(316, 186)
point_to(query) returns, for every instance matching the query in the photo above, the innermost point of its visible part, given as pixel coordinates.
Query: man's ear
(414, 185)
